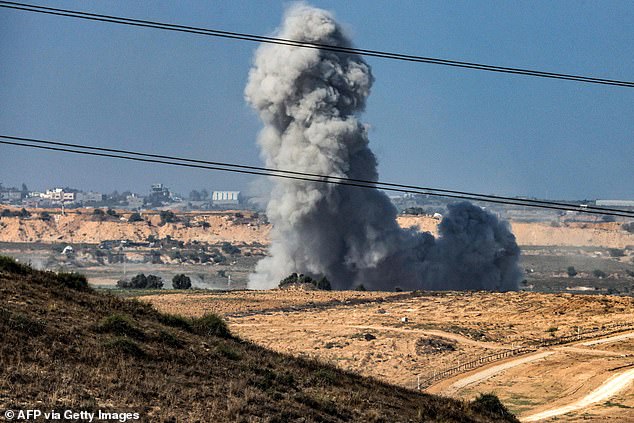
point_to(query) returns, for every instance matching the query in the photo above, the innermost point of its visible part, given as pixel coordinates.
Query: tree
(135, 217)
(195, 195)
(229, 249)
(181, 282)
(110, 212)
(599, 274)
(299, 278)
(167, 217)
(204, 194)
(45, 216)
(141, 281)
(24, 213)
(323, 284)
(571, 271)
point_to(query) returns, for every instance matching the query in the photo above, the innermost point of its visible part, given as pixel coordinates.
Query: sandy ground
(223, 226)
(607, 390)
(369, 337)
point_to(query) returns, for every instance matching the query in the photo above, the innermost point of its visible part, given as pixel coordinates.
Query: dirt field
(365, 332)
(80, 226)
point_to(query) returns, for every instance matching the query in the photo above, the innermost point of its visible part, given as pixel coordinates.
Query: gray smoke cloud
(309, 101)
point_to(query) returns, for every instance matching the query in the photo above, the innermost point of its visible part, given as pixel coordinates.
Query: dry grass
(65, 347)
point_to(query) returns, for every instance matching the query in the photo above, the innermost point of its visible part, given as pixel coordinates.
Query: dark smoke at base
(309, 101)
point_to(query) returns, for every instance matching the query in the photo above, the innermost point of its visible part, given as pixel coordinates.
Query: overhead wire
(301, 176)
(306, 44)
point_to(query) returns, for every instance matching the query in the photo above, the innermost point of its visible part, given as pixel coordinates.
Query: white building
(57, 195)
(225, 198)
(615, 203)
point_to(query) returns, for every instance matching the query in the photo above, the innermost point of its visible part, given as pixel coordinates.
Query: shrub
(73, 280)
(491, 404)
(98, 212)
(45, 216)
(6, 213)
(175, 321)
(299, 278)
(125, 346)
(360, 287)
(599, 273)
(629, 273)
(141, 281)
(10, 265)
(135, 217)
(571, 271)
(168, 217)
(181, 282)
(323, 284)
(228, 352)
(629, 227)
(21, 323)
(24, 213)
(111, 213)
(120, 325)
(229, 249)
(210, 324)
(616, 252)
(169, 339)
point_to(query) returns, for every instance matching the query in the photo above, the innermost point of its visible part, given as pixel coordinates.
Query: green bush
(135, 217)
(228, 352)
(120, 325)
(300, 278)
(616, 252)
(571, 271)
(175, 321)
(168, 217)
(491, 404)
(181, 282)
(125, 346)
(21, 323)
(73, 280)
(141, 281)
(210, 324)
(227, 248)
(10, 265)
(169, 339)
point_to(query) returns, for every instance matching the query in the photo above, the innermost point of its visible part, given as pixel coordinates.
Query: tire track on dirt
(608, 389)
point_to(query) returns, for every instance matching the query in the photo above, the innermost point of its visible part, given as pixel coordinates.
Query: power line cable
(306, 44)
(306, 177)
(378, 184)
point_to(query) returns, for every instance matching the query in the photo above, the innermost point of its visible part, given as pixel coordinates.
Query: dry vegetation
(442, 330)
(67, 346)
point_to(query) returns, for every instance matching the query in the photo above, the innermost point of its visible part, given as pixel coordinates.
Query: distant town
(160, 197)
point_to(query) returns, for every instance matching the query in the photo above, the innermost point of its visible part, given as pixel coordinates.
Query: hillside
(81, 226)
(66, 346)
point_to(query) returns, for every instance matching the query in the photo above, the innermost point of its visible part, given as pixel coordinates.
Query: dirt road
(608, 389)
(486, 373)
(609, 340)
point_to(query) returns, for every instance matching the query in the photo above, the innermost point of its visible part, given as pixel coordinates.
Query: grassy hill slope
(65, 346)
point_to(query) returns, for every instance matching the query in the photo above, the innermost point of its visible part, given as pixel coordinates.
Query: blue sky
(180, 94)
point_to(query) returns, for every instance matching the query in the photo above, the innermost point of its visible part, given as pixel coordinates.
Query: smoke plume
(309, 101)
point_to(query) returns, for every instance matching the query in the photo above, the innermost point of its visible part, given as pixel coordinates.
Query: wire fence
(533, 346)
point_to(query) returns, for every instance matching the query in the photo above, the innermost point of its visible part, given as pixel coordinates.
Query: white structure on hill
(225, 198)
